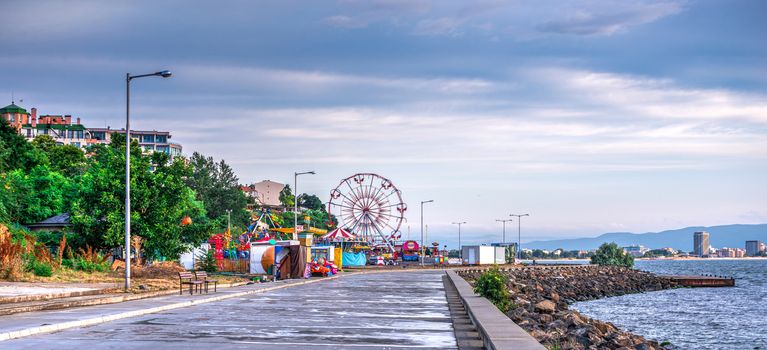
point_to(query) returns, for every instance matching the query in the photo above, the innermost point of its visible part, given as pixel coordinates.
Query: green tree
(16, 152)
(218, 188)
(68, 160)
(612, 255)
(34, 196)
(310, 201)
(287, 219)
(159, 201)
(286, 197)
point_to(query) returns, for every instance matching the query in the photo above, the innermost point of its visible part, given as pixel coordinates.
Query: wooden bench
(187, 278)
(202, 277)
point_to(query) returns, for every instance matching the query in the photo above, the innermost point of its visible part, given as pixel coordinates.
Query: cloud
(495, 19)
(342, 21)
(438, 26)
(585, 22)
(54, 19)
(657, 98)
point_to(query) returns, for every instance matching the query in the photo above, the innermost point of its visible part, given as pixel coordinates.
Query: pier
(703, 281)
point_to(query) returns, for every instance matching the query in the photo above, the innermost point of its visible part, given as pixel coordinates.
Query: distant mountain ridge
(732, 236)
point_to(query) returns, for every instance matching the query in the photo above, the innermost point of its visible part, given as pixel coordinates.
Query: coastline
(541, 296)
(661, 258)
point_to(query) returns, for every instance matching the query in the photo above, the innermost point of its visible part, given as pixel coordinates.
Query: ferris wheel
(369, 206)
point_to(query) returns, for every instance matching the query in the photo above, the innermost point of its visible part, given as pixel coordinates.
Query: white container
(483, 255)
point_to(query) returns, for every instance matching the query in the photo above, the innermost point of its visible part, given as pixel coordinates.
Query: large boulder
(546, 306)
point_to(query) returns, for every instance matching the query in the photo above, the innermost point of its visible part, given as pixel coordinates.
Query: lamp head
(164, 74)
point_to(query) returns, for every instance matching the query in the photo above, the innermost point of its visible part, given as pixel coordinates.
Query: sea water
(694, 318)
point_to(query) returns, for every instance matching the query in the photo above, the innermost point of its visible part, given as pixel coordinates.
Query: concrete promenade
(391, 310)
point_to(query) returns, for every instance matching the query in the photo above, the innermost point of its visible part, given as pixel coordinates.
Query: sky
(592, 116)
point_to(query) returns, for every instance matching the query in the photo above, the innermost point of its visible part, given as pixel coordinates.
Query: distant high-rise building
(753, 248)
(700, 244)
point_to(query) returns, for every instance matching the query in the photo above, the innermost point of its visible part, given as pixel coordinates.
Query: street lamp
(295, 202)
(460, 250)
(504, 221)
(128, 78)
(422, 203)
(519, 233)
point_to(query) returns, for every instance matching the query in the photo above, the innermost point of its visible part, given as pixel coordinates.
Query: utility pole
(422, 251)
(519, 233)
(460, 249)
(504, 221)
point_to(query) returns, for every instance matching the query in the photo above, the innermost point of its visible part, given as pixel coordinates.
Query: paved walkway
(365, 311)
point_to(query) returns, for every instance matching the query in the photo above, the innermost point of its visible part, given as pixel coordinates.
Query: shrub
(89, 266)
(89, 260)
(609, 254)
(42, 269)
(11, 260)
(492, 285)
(70, 263)
(206, 261)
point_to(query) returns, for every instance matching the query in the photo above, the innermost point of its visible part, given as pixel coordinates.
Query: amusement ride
(370, 206)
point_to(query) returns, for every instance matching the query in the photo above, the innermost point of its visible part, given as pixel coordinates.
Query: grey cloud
(438, 26)
(345, 22)
(608, 23)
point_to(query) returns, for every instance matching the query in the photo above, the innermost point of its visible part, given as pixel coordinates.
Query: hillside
(733, 236)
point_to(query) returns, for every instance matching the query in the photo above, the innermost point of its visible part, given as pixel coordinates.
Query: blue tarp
(354, 259)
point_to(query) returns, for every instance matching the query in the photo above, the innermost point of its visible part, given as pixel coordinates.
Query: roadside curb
(61, 303)
(496, 329)
(112, 317)
(51, 296)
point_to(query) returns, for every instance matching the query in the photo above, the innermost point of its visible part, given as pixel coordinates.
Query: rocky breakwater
(540, 298)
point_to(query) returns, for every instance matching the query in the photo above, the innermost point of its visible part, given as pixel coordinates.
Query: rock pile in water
(540, 296)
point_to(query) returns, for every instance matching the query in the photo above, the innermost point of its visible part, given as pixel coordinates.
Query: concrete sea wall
(540, 297)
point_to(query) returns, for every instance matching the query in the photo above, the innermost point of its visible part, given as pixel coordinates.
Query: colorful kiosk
(410, 251)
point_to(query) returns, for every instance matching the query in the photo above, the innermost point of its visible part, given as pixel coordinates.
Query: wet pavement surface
(393, 310)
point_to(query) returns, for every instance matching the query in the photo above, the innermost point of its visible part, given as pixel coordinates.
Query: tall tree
(218, 188)
(159, 201)
(286, 197)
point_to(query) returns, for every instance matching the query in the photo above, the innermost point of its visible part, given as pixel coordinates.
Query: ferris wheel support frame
(369, 208)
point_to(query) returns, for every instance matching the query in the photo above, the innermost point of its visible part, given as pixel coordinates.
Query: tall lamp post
(421, 252)
(460, 250)
(519, 233)
(504, 221)
(295, 201)
(128, 78)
